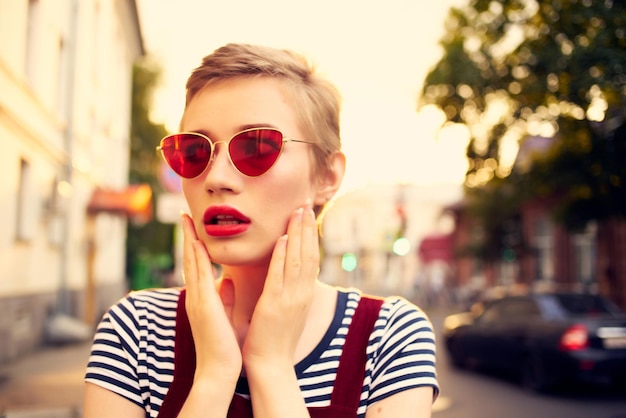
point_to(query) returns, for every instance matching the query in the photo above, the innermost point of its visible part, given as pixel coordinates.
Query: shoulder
(399, 309)
(402, 346)
(138, 317)
(401, 326)
(148, 304)
(395, 310)
(133, 349)
(160, 297)
(402, 322)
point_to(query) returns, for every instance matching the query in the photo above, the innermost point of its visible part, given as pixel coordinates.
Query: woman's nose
(221, 173)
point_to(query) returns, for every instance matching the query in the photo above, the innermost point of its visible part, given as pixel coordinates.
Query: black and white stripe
(133, 350)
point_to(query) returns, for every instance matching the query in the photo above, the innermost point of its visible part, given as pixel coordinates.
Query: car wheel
(533, 374)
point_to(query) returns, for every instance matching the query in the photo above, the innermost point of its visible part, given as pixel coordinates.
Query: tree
(154, 240)
(145, 134)
(515, 69)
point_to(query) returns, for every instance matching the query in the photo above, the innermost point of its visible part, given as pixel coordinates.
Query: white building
(65, 97)
(364, 225)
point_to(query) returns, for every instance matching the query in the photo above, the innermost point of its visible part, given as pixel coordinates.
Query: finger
(276, 270)
(205, 279)
(310, 242)
(293, 257)
(190, 272)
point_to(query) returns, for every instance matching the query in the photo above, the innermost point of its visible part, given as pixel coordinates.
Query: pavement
(47, 383)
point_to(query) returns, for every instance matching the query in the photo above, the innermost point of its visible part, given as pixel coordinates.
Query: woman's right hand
(209, 306)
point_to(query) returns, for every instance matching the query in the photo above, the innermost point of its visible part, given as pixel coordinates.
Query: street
(470, 394)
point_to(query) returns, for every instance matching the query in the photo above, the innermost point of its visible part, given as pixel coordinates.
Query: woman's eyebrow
(257, 125)
(240, 128)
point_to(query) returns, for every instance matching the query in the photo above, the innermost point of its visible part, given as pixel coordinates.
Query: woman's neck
(247, 284)
(247, 288)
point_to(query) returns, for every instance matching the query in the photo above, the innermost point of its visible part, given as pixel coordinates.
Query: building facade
(546, 256)
(65, 97)
(370, 236)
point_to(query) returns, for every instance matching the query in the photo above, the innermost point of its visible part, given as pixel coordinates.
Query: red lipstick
(224, 221)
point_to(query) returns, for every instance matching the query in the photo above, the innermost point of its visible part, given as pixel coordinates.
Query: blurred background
(486, 146)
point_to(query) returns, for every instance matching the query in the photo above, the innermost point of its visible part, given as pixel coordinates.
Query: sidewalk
(47, 383)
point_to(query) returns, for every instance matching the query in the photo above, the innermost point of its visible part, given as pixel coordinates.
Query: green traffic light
(348, 262)
(401, 246)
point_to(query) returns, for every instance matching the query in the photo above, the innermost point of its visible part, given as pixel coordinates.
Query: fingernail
(185, 218)
(308, 204)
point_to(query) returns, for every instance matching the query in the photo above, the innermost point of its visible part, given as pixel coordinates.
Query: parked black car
(547, 339)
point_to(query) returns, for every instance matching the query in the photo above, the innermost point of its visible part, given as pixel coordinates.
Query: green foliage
(496, 207)
(587, 172)
(549, 67)
(152, 240)
(145, 134)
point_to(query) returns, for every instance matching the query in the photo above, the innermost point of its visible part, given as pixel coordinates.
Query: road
(469, 394)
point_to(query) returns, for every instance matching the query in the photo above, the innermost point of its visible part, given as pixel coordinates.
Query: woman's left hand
(281, 312)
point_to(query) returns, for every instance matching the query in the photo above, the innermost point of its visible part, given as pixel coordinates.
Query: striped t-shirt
(133, 351)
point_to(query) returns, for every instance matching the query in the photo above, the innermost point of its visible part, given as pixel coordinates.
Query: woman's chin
(240, 260)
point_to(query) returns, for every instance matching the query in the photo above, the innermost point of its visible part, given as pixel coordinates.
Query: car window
(522, 309)
(575, 304)
(551, 308)
(507, 310)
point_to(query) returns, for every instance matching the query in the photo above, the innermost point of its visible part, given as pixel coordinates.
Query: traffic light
(401, 246)
(508, 255)
(349, 262)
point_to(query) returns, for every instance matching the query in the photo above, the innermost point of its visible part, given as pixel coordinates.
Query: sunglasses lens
(254, 152)
(187, 154)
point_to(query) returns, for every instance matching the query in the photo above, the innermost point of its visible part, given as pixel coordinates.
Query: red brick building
(547, 255)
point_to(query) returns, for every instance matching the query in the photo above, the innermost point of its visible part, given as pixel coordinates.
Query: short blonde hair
(316, 101)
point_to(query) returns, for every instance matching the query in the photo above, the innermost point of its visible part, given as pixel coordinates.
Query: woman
(259, 157)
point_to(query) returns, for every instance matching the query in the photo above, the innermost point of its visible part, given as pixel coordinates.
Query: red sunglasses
(252, 151)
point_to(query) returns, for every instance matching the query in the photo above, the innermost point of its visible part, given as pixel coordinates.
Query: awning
(436, 247)
(134, 202)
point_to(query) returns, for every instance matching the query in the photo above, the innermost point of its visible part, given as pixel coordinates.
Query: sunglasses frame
(213, 145)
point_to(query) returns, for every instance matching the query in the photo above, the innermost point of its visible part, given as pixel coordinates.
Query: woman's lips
(224, 221)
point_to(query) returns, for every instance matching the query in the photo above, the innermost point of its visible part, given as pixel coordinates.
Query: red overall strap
(351, 370)
(184, 363)
(346, 394)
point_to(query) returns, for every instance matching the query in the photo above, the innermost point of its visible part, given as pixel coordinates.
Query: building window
(32, 42)
(63, 80)
(585, 254)
(544, 247)
(27, 207)
(53, 214)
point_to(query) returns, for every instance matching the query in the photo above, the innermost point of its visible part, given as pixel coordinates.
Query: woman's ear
(329, 181)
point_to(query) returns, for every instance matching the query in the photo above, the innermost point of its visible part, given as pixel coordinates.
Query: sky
(376, 53)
